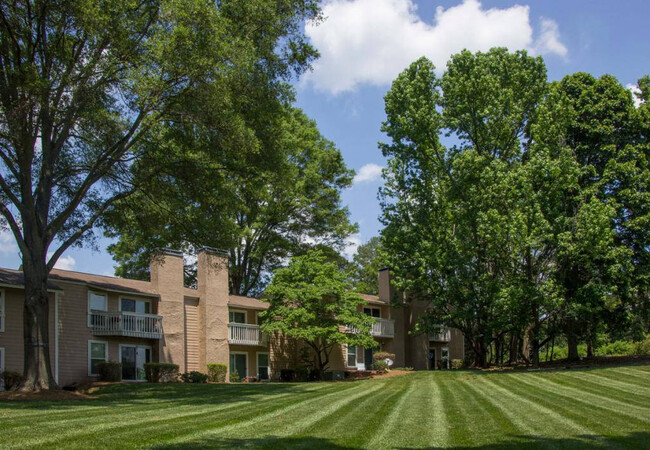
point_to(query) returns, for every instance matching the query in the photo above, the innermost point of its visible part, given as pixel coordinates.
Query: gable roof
(15, 278)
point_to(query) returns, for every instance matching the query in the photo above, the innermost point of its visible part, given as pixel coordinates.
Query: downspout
(56, 337)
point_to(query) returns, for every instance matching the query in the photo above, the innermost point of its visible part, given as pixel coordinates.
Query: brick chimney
(212, 287)
(166, 269)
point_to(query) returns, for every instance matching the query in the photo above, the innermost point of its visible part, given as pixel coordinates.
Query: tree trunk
(37, 366)
(572, 342)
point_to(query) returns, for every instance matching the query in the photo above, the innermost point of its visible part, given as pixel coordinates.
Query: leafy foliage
(285, 194)
(529, 225)
(311, 301)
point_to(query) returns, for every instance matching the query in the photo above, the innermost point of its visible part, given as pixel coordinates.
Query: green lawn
(605, 407)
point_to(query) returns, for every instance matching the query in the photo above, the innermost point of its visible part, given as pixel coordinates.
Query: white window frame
(2, 368)
(3, 311)
(356, 356)
(119, 350)
(90, 366)
(105, 295)
(243, 311)
(124, 297)
(268, 366)
(372, 308)
(442, 358)
(248, 365)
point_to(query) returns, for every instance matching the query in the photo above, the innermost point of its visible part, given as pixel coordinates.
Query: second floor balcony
(440, 334)
(123, 323)
(246, 334)
(381, 328)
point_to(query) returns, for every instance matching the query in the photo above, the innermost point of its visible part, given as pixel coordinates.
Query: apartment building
(97, 318)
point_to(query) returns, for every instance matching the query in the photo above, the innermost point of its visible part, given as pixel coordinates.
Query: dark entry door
(128, 363)
(432, 358)
(367, 358)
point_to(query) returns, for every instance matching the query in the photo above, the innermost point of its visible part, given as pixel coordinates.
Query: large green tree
(312, 301)
(282, 201)
(366, 263)
(89, 87)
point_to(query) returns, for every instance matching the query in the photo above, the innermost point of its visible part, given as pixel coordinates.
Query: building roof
(246, 302)
(16, 278)
(372, 299)
(10, 277)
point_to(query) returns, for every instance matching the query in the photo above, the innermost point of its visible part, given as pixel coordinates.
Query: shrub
(302, 373)
(457, 363)
(194, 377)
(109, 371)
(234, 376)
(380, 366)
(217, 372)
(642, 347)
(11, 379)
(287, 375)
(161, 372)
(383, 355)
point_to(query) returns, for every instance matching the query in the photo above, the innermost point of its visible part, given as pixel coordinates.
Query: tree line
(518, 207)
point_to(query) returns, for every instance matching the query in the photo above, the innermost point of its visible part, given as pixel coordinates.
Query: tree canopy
(282, 201)
(523, 227)
(312, 301)
(89, 88)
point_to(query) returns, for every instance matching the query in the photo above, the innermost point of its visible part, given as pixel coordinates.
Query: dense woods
(519, 208)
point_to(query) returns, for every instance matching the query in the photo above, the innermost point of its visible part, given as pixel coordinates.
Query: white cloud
(549, 39)
(351, 244)
(371, 41)
(7, 243)
(64, 262)
(635, 90)
(368, 172)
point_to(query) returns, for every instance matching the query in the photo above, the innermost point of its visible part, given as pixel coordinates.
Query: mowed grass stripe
(510, 421)
(259, 416)
(364, 423)
(391, 421)
(546, 413)
(625, 376)
(592, 383)
(591, 416)
(496, 422)
(150, 421)
(579, 391)
(361, 414)
(297, 420)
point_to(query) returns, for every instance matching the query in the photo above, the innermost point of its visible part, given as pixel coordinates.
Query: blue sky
(366, 43)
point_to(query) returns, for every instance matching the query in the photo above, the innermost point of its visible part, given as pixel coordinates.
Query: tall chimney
(212, 278)
(166, 270)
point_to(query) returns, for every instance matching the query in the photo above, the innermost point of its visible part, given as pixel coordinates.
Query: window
(263, 366)
(238, 365)
(2, 310)
(97, 352)
(136, 306)
(96, 302)
(352, 356)
(372, 312)
(237, 317)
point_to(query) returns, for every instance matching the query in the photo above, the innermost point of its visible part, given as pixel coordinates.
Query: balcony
(245, 334)
(381, 328)
(122, 323)
(442, 334)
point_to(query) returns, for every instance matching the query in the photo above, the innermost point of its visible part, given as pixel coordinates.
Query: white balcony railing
(441, 334)
(122, 323)
(245, 334)
(381, 328)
